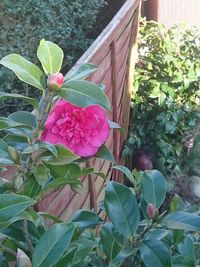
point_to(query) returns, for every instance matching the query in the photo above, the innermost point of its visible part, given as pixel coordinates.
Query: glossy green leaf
(18, 142)
(59, 182)
(122, 208)
(11, 205)
(153, 187)
(77, 253)
(80, 72)
(182, 220)
(5, 185)
(29, 100)
(24, 117)
(41, 174)
(84, 93)
(3, 145)
(85, 219)
(6, 123)
(176, 203)
(65, 156)
(50, 56)
(187, 249)
(114, 125)
(25, 70)
(31, 187)
(155, 253)
(104, 153)
(111, 247)
(125, 171)
(41, 146)
(53, 245)
(180, 261)
(50, 217)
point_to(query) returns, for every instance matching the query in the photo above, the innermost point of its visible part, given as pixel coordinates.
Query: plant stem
(8, 250)
(27, 236)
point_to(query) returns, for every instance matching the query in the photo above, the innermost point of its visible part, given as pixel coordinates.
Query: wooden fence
(114, 53)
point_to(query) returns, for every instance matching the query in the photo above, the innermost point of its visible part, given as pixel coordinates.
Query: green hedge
(165, 116)
(25, 22)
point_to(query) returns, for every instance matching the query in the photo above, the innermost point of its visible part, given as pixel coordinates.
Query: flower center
(76, 126)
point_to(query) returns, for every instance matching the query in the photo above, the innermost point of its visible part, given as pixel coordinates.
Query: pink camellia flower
(83, 130)
(55, 81)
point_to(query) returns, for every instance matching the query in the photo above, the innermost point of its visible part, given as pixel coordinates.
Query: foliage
(23, 23)
(166, 99)
(137, 233)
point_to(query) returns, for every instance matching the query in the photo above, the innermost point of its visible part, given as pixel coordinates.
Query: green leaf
(77, 253)
(85, 219)
(80, 72)
(50, 56)
(24, 117)
(153, 187)
(122, 208)
(125, 171)
(31, 187)
(65, 156)
(84, 93)
(3, 261)
(29, 100)
(6, 123)
(182, 220)
(41, 174)
(12, 204)
(50, 217)
(187, 249)
(59, 182)
(25, 70)
(180, 261)
(155, 253)
(176, 203)
(114, 125)
(3, 145)
(18, 142)
(41, 146)
(104, 153)
(53, 245)
(110, 245)
(5, 185)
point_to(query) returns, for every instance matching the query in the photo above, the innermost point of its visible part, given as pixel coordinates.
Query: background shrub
(24, 23)
(166, 98)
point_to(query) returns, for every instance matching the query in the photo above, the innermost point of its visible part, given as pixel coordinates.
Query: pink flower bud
(152, 211)
(55, 81)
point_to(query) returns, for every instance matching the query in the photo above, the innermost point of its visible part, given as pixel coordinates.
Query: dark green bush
(25, 22)
(166, 98)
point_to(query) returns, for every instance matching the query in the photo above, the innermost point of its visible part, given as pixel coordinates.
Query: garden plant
(165, 100)
(46, 149)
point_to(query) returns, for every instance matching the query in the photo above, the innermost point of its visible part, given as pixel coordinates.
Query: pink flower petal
(83, 130)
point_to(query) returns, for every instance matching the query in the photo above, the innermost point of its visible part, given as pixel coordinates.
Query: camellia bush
(42, 151)
(165, 101)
